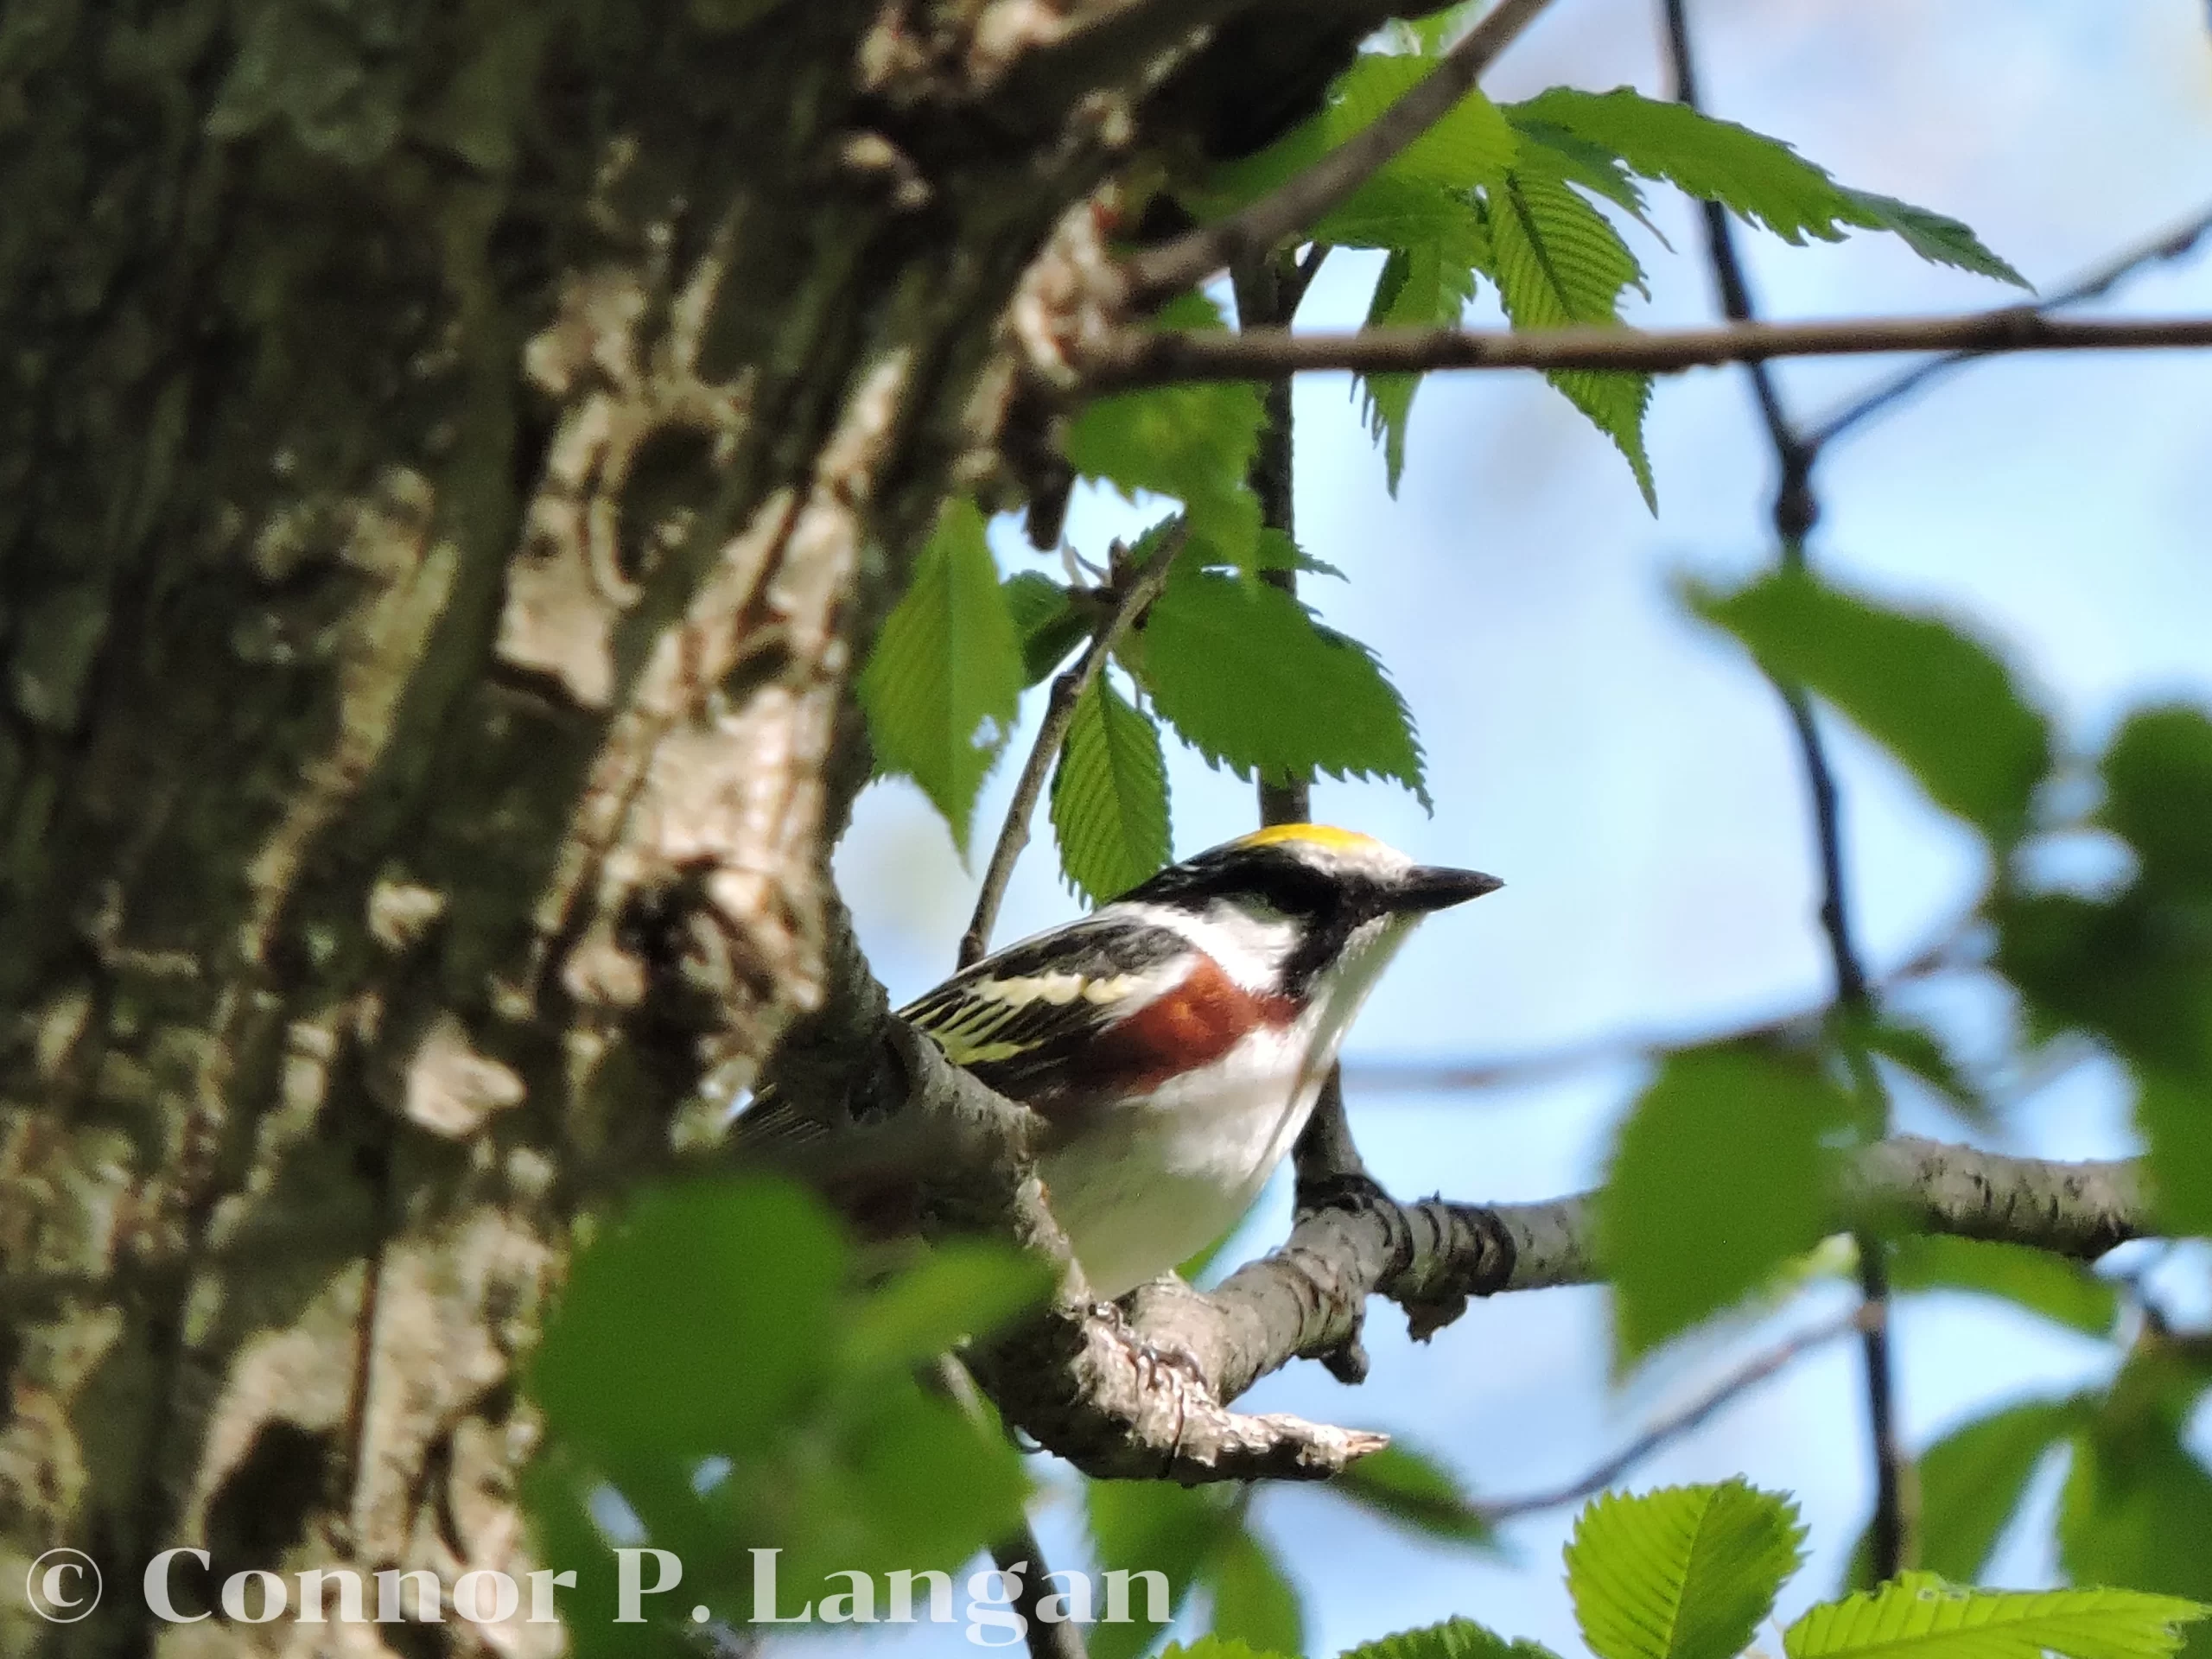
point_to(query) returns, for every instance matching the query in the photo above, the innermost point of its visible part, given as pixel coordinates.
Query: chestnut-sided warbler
(1174, 1040)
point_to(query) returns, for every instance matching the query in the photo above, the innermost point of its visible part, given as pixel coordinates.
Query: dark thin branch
(1267, 292)
(1796, 509)
(2176, 244)
(1253, 231)
(1132, 358)
(1675, 1424)
(1133, 589)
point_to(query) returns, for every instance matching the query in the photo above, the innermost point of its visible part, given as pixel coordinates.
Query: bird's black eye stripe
(1282, 881)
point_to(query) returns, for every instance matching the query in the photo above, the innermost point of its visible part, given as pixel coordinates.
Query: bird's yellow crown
(1317, 834)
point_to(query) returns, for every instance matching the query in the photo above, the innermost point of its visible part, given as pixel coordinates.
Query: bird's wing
(1028, 1020)
(1021, 1019)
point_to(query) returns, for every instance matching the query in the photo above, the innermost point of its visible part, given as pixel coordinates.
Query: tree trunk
(452, 457)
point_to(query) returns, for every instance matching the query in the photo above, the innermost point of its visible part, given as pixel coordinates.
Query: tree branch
(1254, 230)
(1105, 1393)
(2176, 244)
(1796, 509)
(1676, 1424)
(1134, 357)
(1133, 590)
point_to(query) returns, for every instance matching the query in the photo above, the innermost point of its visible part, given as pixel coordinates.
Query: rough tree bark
(451, 461)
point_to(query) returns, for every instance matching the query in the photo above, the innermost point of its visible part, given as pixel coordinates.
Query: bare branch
(2176, 244)
(1133, 589)
(1675, 1424)
(1298, 204)
(1132, 358)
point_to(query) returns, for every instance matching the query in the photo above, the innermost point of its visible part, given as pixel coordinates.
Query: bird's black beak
(1432, 886)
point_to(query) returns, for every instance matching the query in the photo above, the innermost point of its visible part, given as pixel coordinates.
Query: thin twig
(1268, 290)
(1298, 204)
(2176, 244)
(1133, 590)
(1019, 1555)
(1134, 357)
(1796, 509)
(1673, 1426)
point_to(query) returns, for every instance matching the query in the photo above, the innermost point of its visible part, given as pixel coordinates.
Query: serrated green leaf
(1049, 619)
(1684, 1572)
(1251, 1598)
(2157, 776)
(963, 1288)
(2063, 1291)
(944, 684)
(1918, 1615)
(1109, 796)
(1936, 237)
(1941, 701)
(1194, 443)
(1735, 1126)
(1414, 1490)
(1557, 260)
(1574, 160)
(1971, 1483)
(1420, 285)
(1251, 681)
(1471, 145)
(1455, 1638)
(1762, 180)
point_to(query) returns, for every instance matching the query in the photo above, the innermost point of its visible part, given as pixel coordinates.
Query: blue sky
(1631, 777)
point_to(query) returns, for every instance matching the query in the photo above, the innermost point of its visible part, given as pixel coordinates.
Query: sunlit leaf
(1250, 680)
(1918, 1615)
(1684, 1572)
(1109, 795)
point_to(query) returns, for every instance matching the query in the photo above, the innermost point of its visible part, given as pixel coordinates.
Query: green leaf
(1251, 1599)
(1971, 1483)
(613, 1371)
(1109, 795)
(1407, 1487)
(1471, 145)
(1685, 1573)
(1192, 443)
(1762, 180)
(1736, 1127)
(2060, 1290)
(1557, 260)
(1049, 619)
(1456, 1638)
(1251, 681)
(2138, 1504)
(2158, 778)
(1419, 286)
(945, 682)
(1922, 1052)
(1918, 1615)
(963, 1288)
(2175, 1113)
(1936, 237)
(1140, 1525)
(1942, 702)
(1215, 1646)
